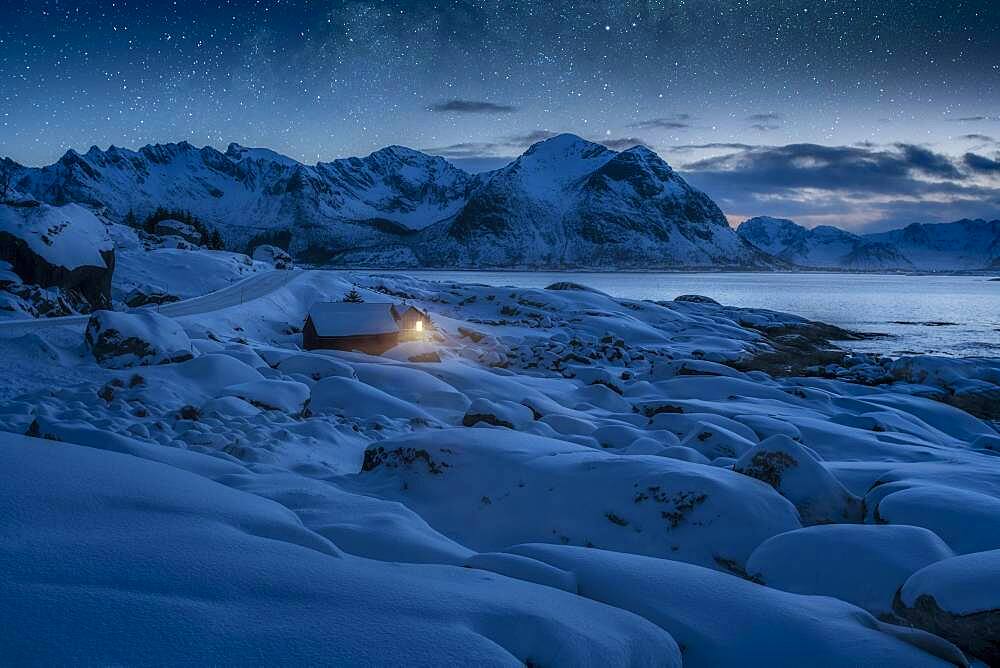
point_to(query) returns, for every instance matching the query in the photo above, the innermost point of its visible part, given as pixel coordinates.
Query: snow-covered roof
(347, 319)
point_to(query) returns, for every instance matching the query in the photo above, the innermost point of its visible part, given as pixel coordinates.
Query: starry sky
(859, 113)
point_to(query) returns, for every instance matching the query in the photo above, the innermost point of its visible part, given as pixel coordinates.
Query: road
(254, 287)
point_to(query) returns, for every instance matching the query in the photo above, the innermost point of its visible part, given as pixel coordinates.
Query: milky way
(479, 81)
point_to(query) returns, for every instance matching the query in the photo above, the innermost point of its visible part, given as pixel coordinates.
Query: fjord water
(946, 315)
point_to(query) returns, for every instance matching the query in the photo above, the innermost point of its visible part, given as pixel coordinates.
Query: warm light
(420, 325)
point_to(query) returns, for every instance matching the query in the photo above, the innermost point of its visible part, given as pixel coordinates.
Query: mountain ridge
(962, 245)
(565, 202)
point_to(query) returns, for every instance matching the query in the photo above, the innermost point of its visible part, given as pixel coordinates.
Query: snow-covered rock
(212, 558)
(857, 563)
(801, 478)
(489, 488)
(65, 247)
(119, 340)
(958, 599)
(722, 620)
(281, 395)
(170, 227)
(273, 255)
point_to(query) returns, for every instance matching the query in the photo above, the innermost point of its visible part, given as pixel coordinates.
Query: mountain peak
(566, 144)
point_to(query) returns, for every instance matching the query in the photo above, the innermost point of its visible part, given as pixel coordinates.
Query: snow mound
(958, 599)
(488, 488)
(722, 620)
(274, 256)
(281, 395)
(119, 340)
(860, 564)
(801, 478)
(213, 558)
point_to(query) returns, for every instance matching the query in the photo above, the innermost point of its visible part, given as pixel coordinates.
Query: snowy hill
(565, 202)
(963, 245)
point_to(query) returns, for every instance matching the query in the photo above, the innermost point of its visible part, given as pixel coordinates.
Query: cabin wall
(373, 344)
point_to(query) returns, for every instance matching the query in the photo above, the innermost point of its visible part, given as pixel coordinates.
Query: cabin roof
(347, 319)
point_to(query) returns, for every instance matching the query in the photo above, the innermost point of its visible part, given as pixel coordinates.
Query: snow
(860, 564)
(961, 585)
(961, 245)
(67, 236)
(568, 485)
(720, 620)
(251, 555)
(349, 319)
(119, 340)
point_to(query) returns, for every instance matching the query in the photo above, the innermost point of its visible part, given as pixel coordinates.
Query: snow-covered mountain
(566, 202)
(570, 202)
(963, 245)
(354, 201)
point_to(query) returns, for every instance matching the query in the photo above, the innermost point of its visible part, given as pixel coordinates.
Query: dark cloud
(769, 117)
(472, 107)
(982, 164)
(974, 119)
(529, 138)
(672, 122)
(977, 137)
(847, 185)
(730, 146)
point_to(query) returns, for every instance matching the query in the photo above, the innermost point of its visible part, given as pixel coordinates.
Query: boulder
(175, 228)
(863, 564)
(273, 255)
(120, 340)
(64, 247)
(958, 599)
(799, 476)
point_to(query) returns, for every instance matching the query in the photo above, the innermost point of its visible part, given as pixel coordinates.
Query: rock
(498, 413)
(175, 228)
(957, 599)
(863, 564)
(64, 247)
(138, 297)
(799, 476)
(119, 340)
(273, 255)
(697, 299)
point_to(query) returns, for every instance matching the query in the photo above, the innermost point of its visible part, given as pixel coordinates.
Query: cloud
(672, 122)
(873, 186)
(980, 163)
(733, 146)
(768, 117)
(472, 107)
(978, 138)
(622, 143)
(764, 127)
(973, 119)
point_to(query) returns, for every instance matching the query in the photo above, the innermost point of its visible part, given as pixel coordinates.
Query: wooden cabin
(366, 327)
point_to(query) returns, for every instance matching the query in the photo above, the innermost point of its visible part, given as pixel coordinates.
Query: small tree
(353, 297)
(130, 219)
(215, 240)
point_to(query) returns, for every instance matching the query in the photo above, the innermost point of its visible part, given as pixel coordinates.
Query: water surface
(949, 315)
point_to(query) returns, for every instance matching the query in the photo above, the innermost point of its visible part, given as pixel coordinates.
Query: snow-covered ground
(552, 477)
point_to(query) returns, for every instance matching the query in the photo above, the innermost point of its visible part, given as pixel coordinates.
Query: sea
(919, 314)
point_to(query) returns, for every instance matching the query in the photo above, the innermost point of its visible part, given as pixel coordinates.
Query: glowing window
(420, 325)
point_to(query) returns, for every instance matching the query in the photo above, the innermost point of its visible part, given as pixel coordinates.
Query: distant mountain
(965, 245)
(566, 202)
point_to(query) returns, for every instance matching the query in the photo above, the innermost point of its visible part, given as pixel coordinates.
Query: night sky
(860, 113)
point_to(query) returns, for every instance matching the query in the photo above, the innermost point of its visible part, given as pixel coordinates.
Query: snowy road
(251, 288)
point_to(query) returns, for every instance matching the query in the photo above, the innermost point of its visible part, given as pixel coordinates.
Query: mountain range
(566, 202)
(964, 245)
